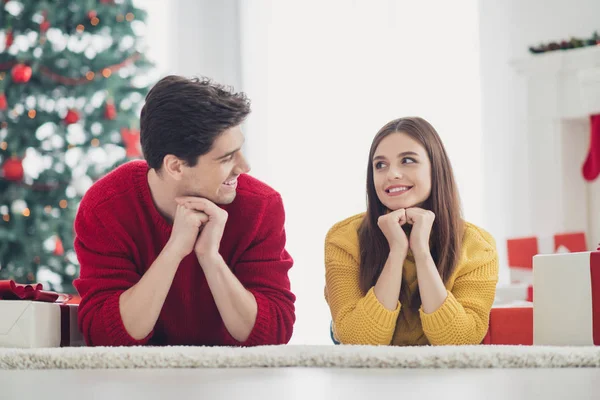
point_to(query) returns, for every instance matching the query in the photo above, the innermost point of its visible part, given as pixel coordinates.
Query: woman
(409, 271)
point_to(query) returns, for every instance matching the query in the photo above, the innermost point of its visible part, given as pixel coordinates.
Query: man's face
(215, 175)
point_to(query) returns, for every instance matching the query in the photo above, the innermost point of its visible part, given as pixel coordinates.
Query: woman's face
(401, 172)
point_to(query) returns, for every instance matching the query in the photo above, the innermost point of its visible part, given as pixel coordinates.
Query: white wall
(324, 76)
(195, 37)
(507, 29)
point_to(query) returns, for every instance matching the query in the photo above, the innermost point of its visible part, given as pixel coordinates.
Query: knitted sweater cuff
(116, 333)
(381, 316)
(441, 318)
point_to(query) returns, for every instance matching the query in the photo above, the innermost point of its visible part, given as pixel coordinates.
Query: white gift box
(509, 294)
(521, 252)
(566, 305)
(32, 324)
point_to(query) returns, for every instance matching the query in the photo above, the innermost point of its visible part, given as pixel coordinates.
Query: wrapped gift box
(511, 324)
(567, 299)
(32, 318)
(521, 251)
(507, 294)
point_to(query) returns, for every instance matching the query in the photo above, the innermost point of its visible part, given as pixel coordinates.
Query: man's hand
(186, 225)
(207, 243)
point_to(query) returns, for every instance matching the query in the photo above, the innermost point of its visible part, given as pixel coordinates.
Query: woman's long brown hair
(444, 202)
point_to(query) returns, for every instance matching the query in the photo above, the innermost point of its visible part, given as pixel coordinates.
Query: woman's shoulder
(344, 236)
(478, 235)
(347, 228)
(478, 248)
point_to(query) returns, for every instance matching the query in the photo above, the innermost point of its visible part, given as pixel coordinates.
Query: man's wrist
(210, 260)
(170, 252)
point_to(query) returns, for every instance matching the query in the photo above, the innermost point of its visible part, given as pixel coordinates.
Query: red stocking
(591, 166)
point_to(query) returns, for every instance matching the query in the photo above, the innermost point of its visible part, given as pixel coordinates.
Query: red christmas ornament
(72, 117)
(12, 169)
(92, 14)
(59, 249)
(10, 38)
(3, 102)
(131, 139)
(21, 73)
(44, 26)
(110, 112)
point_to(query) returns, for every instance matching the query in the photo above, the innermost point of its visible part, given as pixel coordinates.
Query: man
(184, 248)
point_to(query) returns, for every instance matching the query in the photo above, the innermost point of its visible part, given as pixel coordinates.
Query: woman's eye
(379, 165)
(408, 160)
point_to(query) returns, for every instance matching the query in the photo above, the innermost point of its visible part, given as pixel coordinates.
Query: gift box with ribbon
(566, 305)
(510, 325)
(32, 317)
(520, 253)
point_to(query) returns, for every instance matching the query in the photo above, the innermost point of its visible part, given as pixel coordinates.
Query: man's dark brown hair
(184, 116)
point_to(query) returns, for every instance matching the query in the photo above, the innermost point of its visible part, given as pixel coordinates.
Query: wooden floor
(302, 383)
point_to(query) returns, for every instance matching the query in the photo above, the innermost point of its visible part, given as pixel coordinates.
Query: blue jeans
(331, 333)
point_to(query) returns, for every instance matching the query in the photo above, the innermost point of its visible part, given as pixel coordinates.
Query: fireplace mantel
(560, 90)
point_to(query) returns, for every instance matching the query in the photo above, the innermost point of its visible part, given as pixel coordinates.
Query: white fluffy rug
(302, 356)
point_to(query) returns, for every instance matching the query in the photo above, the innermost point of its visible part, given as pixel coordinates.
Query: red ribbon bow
(10, 290)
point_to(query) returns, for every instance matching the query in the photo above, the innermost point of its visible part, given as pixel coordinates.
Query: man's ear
(173, 166)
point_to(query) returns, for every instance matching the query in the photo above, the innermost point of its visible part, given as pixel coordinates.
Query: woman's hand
(422, 222)
(391, 226)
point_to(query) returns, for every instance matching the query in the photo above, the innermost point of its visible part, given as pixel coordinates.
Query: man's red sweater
(119, 233)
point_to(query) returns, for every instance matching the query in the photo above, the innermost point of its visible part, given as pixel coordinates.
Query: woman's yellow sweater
(360, 318)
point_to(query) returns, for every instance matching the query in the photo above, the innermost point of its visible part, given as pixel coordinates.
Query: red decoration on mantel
(591, 166)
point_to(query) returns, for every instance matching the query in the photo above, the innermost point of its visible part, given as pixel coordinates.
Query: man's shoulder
(255, 199)
(252, 188)
(111, 187)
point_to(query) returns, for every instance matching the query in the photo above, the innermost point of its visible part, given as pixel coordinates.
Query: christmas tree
(73, 78)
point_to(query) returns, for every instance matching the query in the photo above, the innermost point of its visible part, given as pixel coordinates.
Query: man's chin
(224, 200)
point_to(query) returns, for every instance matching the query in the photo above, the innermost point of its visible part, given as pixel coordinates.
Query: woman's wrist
(398, 253)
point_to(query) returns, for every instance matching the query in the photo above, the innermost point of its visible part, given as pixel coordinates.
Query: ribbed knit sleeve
(106, 272)
(463, 318)
(357, 318)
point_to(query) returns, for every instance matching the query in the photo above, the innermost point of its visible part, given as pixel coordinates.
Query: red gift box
(510, 326)
(520, 253)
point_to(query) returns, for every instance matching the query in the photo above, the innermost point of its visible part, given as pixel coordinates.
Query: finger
(199, 204)
(203, 217)
(197, 220)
